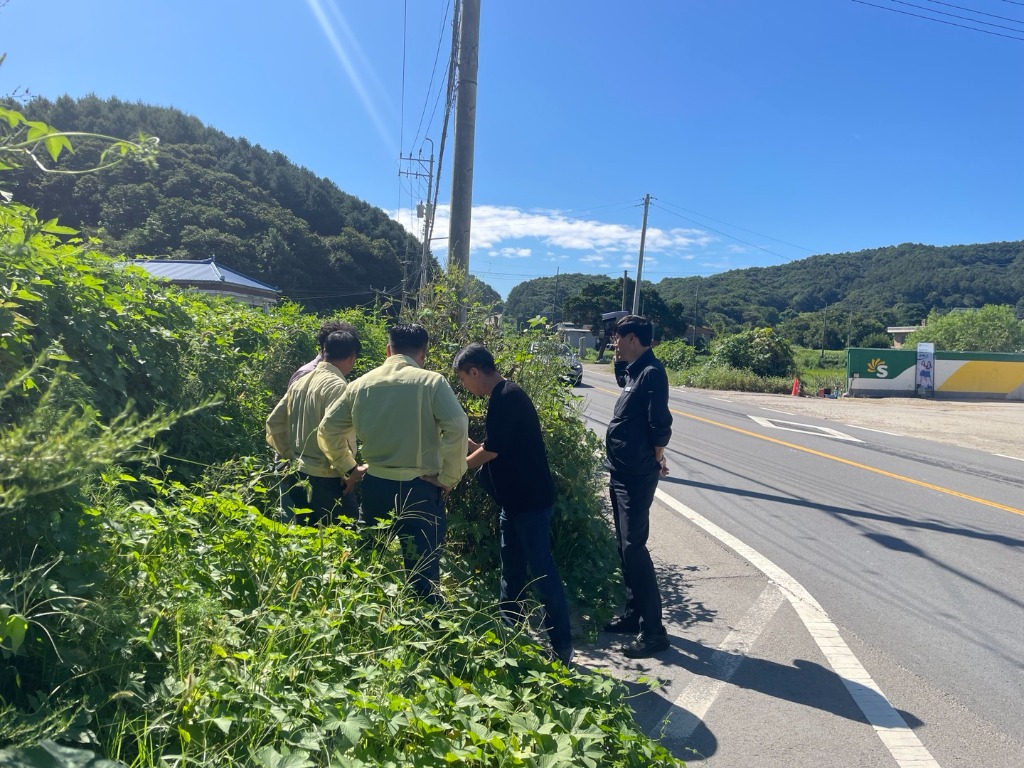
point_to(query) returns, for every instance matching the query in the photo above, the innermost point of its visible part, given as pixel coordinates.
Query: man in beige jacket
(413, 434)
(292, 431)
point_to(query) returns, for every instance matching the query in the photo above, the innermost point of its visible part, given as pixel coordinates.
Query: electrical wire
(449, 102)
(977, 13)
(430, 86)
(956, 16)
(734, 226)
(938, 21)
(723, 234)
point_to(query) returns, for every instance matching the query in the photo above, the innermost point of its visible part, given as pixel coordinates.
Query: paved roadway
(836, 596)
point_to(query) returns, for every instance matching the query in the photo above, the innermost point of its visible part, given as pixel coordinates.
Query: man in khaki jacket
(292, 427)
(414, 435)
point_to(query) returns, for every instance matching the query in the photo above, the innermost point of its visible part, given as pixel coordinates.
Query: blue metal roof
(199, 271)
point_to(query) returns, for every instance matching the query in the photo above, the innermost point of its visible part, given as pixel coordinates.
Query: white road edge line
(693, 703)
(902, 743)
(1004, 456)
(879, 431)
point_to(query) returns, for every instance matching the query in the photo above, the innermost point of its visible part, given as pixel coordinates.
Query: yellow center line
(829, 456)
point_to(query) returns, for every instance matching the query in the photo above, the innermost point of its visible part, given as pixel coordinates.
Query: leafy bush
(760, 350)
(992, 328)
(723, 377)
(230, 639)
(676, 354)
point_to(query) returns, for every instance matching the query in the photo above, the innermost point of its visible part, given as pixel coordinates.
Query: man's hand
(659, 456)
(432, 479)
(473, 445)
(353, 479)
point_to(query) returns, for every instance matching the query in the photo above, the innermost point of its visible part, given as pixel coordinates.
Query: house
(570, 334)
(899, 333)
(694, 332)
(209, 277)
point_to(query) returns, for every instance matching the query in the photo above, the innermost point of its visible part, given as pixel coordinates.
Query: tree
(761, 351)
(993, 328)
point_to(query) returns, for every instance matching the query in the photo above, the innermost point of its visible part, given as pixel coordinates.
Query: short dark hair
(408, 337)
(332, 326)
(641, 326)
(341, 345)
(476, 355)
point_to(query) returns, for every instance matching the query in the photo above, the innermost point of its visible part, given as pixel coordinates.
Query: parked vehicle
(572, 361)
(567, 355)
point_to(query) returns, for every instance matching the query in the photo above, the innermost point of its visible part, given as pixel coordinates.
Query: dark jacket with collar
(641, 421)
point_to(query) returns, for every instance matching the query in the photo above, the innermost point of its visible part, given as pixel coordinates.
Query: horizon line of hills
(264, 216)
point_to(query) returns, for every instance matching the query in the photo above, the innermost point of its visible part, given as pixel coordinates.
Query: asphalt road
(877, 617)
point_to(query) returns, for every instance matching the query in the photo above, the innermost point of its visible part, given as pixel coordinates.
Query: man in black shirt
(637, 435)
(512, 454)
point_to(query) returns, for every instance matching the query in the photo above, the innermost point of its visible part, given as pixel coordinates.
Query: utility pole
(625, 276)
(424, 211)
(696, 291)
(824, 328)
(554, 304)
(640, 259)
(465, 132)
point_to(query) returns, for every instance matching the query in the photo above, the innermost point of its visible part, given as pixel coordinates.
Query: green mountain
(213, 195)
(849, 296)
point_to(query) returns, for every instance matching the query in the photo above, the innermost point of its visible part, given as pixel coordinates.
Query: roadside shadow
(679, 610)
(805, 683)
(847, 512)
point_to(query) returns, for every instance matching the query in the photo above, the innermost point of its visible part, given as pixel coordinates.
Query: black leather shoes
(646, 646)
(623, 625)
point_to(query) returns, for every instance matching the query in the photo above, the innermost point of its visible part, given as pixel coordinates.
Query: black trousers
(632, 496)
(323, 497)
(419, 520)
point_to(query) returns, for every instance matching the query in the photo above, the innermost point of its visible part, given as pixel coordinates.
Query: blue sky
(764, 131)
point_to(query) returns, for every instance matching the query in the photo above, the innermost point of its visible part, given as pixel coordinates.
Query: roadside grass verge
(213, 635)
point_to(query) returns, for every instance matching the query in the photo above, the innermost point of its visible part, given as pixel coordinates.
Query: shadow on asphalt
(854, 514)
(802, 682)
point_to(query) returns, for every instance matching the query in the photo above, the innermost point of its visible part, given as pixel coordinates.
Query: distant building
(694, 332)
(209, 277)
(899, 333)
(570, 333)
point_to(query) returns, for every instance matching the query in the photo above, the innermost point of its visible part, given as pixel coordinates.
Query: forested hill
(213, 195)
(898, 285)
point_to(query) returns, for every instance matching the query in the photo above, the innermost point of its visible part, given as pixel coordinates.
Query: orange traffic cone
(796, 388)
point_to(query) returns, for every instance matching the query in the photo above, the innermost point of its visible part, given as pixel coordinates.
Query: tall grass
(220, 637)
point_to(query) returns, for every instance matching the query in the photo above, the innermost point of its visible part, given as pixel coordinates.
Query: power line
(977, 13)
(939, 21)
(956, 16)
(724, 234)
(430, 86)
(735, 226)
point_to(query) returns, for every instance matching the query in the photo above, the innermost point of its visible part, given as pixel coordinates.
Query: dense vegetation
(849, 299)
(991, 328)
(213, 195)
(582, 299)
(830, 301)
(153, 611)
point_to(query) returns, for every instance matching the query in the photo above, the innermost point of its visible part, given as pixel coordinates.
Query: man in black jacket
(637, 435)
(513, 457)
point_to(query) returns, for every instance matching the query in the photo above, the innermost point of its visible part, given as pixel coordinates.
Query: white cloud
(512, 253)
(492, 226)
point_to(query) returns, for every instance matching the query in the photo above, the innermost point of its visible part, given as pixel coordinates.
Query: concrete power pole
(424, 211)
(640, 259)
(625, 277)
(465, 131)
